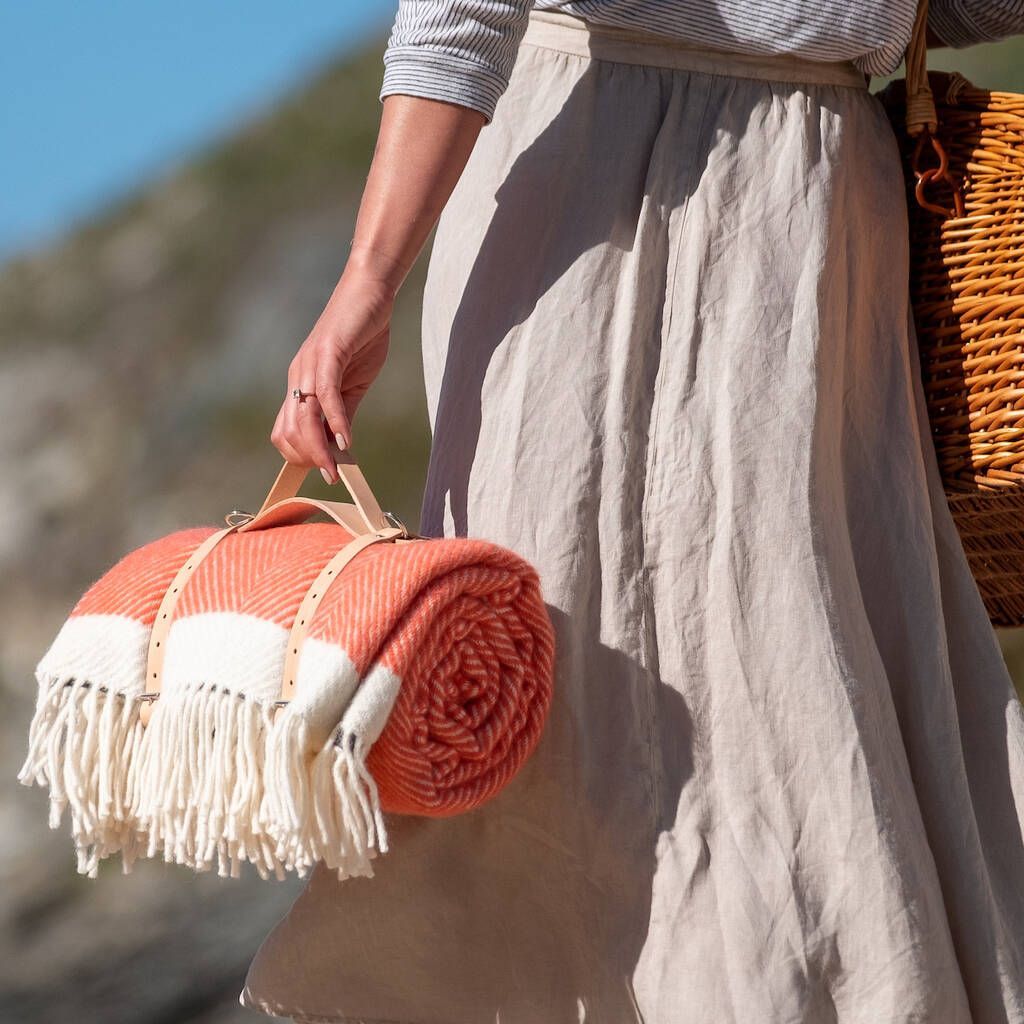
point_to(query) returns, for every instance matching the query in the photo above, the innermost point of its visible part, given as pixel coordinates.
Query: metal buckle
(396, 522)
(150, 697)
(236, 517)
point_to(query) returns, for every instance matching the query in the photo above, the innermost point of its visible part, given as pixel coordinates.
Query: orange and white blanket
(423, 685)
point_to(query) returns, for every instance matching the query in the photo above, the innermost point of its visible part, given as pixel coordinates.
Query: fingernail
(342, 443)
(326, 475)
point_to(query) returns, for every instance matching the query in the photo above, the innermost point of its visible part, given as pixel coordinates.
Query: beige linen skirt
(669, 358)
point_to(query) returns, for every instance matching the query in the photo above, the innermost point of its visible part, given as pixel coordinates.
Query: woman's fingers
(360, 372)
(312, 438)
(329, 370)
(279, 438)
(298, 432)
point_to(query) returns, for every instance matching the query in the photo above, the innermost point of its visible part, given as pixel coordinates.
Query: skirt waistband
(556, 30)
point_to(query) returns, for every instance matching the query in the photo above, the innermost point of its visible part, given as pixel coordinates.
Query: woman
(669, 359)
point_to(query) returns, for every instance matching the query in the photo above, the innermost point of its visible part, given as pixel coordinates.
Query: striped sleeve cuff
(960, 23)
(435, 74)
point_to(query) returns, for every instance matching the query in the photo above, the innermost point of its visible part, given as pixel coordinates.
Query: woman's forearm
(422, 148)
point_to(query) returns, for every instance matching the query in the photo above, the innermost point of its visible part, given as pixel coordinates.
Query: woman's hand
(336, 364)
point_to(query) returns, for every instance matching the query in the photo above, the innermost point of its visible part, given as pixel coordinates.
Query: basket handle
(920, 114)
(922, 121)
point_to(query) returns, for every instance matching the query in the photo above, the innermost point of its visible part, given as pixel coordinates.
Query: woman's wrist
(363, 298)
(371, 266)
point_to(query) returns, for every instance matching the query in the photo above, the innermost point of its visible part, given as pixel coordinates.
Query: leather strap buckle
(237, 517)
(398, 524)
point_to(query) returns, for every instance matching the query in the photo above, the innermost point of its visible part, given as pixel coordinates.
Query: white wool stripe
(240, 653)
(110, 649)
(245, 654)
(367, 712)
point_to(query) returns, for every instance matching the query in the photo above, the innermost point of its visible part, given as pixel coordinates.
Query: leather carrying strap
(291, 478)
(164, 617)
(314, 595)
(290, 511)
(282, 506)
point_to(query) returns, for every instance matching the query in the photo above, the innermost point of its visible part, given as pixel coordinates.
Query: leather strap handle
(289, 511)
(290, 479)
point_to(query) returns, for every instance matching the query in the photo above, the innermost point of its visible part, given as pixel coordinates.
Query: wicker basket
(963, 153)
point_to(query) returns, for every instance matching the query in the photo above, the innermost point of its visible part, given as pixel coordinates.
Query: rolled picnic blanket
(423, 684)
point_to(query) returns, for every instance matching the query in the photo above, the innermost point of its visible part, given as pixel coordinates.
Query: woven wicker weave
(967, 288)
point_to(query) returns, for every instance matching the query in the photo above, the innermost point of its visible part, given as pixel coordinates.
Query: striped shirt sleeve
(960, 23)
(461, 51)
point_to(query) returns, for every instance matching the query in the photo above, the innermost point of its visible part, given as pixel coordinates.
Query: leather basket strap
(313, 596)
(164, 617)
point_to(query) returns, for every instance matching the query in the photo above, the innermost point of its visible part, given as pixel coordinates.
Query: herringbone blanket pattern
(423, 685)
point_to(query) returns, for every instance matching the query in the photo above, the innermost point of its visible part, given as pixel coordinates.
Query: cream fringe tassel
(211, 776)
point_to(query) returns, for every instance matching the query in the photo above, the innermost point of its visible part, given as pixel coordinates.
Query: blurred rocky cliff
(142, 361)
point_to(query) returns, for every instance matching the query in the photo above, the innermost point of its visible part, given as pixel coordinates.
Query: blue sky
(96, 97)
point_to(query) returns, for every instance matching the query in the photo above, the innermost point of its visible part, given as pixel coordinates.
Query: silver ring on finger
(298, 394)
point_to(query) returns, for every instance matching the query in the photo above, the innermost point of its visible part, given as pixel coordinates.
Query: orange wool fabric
(452, 632)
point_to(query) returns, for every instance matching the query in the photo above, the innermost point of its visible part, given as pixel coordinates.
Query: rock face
(142, 361)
